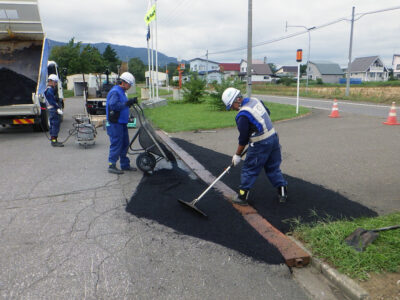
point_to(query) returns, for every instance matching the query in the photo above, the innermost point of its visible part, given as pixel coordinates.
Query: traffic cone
(392, 120)
(335, 110)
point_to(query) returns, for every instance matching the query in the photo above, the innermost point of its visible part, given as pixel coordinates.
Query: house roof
(202, 59)
(261, 69)
(291, 69)
(229, 67)
(327, 67)
(362, 64)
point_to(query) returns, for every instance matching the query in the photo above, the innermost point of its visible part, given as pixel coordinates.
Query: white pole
(298, 88)
(156, 51)
(149, 62)
(249, 45)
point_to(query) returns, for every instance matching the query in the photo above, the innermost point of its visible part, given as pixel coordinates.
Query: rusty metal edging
(294, 255)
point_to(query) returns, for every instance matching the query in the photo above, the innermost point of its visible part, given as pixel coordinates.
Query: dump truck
(24, 66)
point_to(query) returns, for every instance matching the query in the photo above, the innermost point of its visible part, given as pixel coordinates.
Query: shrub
(193, 90)
(319, 81)
(219, 88)
(285, 80)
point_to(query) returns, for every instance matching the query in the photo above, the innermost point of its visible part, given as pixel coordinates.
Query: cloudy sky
(188, 28)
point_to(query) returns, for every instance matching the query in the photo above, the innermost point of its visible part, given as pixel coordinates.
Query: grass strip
(326, 241)
(178, 116)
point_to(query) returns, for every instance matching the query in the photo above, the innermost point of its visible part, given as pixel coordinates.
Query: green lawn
(177, 116)
(325, 239)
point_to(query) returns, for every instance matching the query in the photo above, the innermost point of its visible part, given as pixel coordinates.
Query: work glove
(131, 101)
(236, 160)
(59, 111)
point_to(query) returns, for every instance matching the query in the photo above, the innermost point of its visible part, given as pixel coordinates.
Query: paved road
(366, 109)
(65, 233)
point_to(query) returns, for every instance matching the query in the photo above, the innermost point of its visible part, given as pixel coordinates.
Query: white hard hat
(229, 95)
(128, 78)
(53, 77)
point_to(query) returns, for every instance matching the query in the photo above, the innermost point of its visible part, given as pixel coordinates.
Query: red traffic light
(299, 55)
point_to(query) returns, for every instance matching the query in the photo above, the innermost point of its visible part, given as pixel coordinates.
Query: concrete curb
(347, 285)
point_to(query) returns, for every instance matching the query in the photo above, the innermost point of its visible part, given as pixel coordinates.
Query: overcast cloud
(187, 28)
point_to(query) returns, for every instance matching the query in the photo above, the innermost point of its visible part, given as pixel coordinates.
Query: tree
(216, 97)
(68, 57)
(75, 60)
(193, 90)
(273, 68)
(92, 61)
(137, 68)
(303, 69)
(111, 58)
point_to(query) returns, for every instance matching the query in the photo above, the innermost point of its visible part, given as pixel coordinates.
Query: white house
(162, 78)
(202, 65)
(369, 68)
(287, 71)
(260, 71)
(230, 70)
(93, 82)
(328, 71)
(396, 66)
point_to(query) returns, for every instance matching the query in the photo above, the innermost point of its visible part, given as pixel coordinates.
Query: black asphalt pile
(307, 202)
(156, 199)
(15, 88)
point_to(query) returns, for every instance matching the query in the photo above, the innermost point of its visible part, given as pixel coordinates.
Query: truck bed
(15, 88)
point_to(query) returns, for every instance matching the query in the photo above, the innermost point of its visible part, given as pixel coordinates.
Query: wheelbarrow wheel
(146, 162)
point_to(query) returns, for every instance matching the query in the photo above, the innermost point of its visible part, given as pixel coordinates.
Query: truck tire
(44, 124)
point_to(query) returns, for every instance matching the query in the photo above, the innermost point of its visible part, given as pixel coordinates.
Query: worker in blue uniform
(256, 130)
(53, 109)
(117, 110)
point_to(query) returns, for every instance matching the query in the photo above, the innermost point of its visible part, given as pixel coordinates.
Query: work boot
(54, 143)
(129, 169)
(241, 198)
(114, 170)
(282, 194)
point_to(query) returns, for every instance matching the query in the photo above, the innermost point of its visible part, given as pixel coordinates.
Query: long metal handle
(211, 185)
(386, 228)
(216, 180)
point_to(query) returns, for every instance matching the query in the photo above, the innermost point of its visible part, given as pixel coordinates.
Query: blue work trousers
(264, 154)
(54, 120)
(119, 143)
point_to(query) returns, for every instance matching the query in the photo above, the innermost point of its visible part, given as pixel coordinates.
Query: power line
(301, 32)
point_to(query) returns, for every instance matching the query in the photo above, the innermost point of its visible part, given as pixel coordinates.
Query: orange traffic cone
(392, 120)
(335, 110)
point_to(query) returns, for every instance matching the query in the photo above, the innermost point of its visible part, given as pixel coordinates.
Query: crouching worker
(256, 129)
(117, 110)
(54, 110)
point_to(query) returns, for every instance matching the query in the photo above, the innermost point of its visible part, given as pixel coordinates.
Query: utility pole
(155, 2)
(249, 47)
(350, 51)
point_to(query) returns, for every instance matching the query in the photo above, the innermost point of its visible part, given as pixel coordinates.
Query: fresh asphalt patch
(307, 202)
(156, 199)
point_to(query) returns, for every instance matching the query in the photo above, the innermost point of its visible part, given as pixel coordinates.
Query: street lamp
(309, 45)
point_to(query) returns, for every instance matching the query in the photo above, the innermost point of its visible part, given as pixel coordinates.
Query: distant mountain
(125, 52)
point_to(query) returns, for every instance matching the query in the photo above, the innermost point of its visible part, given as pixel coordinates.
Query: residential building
(229, 69)
(396, 66)
(199, 65)
(212, 76)
(287, 71)
(369, 68)
(328, 71)
(260, 71)
(162, 78)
